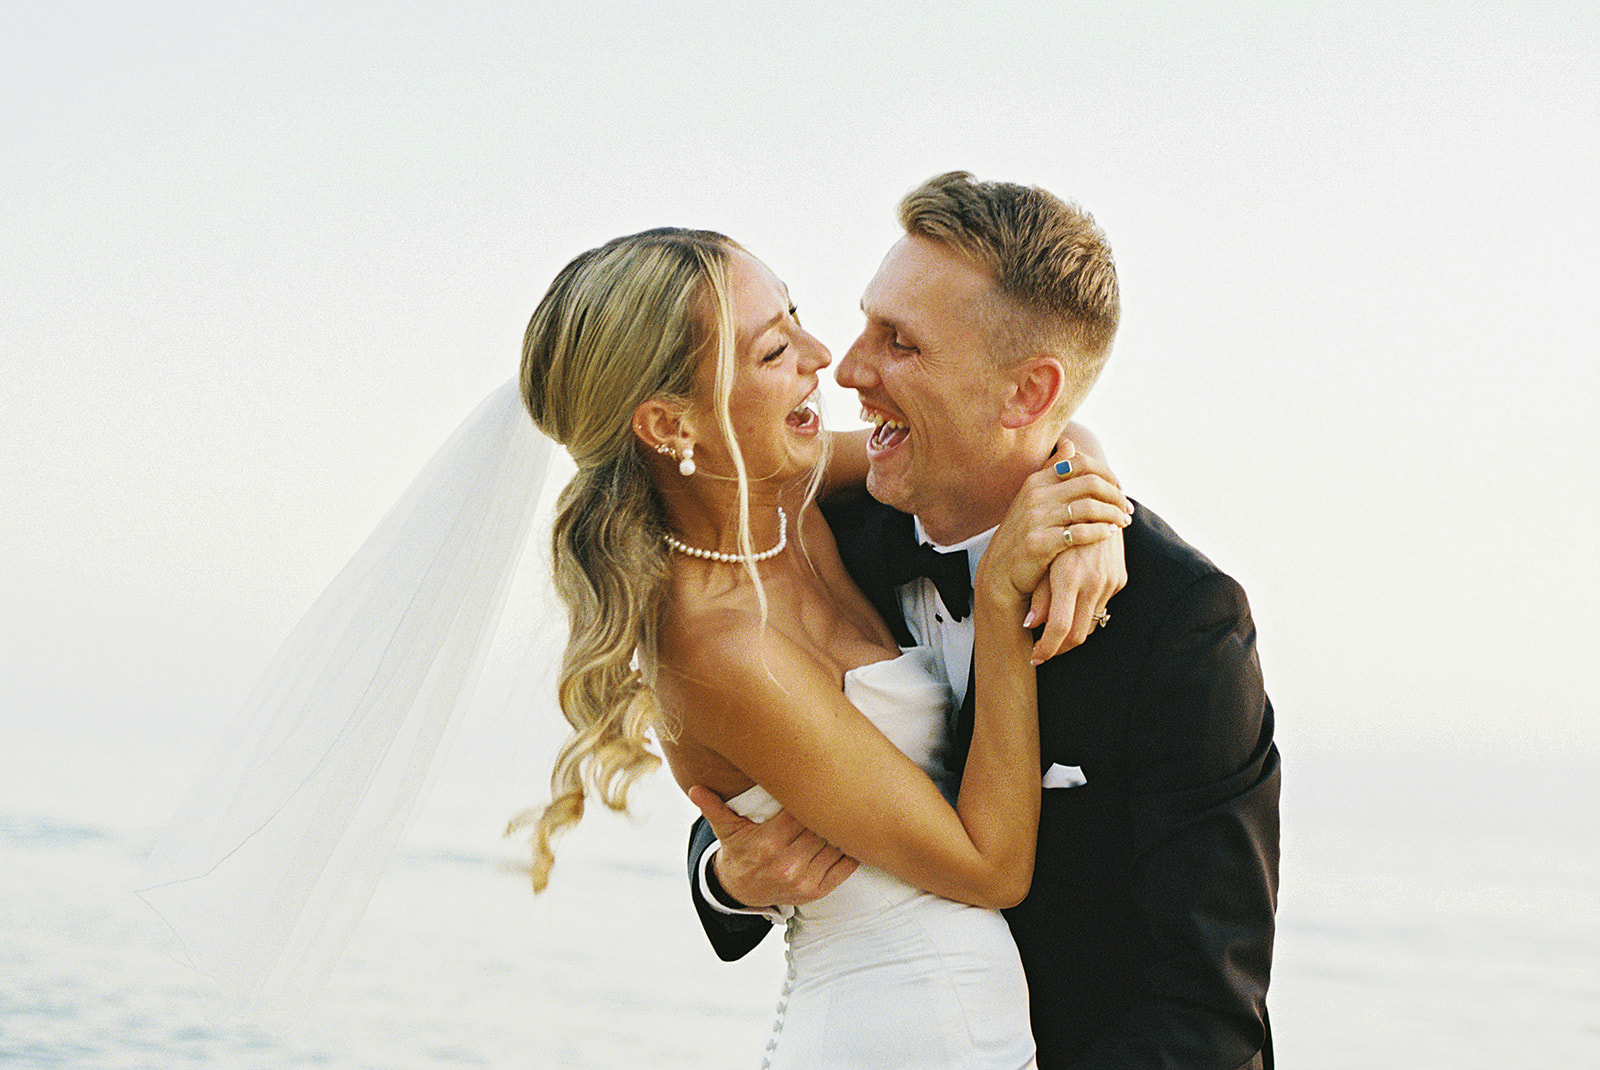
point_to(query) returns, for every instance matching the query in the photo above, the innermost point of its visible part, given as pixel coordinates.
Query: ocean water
(1440, 908)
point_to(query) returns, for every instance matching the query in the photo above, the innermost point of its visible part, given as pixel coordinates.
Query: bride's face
(772, 402)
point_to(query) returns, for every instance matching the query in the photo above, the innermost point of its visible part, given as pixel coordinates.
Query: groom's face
(928, 382)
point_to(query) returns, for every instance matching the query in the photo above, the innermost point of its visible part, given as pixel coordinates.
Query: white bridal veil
(274, 854)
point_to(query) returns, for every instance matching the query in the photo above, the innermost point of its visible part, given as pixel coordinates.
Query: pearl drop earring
(686, 462)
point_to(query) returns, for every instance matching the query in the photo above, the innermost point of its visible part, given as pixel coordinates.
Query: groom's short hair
(1054, 274)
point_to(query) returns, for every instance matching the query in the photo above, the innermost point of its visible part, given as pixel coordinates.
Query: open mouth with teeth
(887, 432)
(803, 417)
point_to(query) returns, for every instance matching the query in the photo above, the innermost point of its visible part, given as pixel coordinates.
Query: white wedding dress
(882, 974)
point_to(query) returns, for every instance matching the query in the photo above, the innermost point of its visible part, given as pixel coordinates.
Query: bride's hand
(1074, 506)
(1071, 602)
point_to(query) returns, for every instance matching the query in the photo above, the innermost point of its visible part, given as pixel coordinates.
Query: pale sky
(257, 264)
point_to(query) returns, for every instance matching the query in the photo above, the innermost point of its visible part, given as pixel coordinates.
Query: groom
(1147, 936)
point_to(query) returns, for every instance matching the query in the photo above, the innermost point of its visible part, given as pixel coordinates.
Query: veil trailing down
(273, 856)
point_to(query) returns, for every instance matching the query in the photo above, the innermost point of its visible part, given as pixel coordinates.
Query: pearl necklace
(737, 559)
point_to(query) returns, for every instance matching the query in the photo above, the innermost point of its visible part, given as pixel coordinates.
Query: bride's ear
(658, 423)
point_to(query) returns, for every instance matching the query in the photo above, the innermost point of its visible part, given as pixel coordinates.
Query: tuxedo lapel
(964, 720)
(868, 534)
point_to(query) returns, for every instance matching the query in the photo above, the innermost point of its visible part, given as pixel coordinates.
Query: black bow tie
(948, 571)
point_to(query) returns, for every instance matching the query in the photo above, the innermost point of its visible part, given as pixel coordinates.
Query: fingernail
(1063, 468)
(1036, 662)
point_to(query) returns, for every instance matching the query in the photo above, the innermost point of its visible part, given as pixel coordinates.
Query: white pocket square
(1064, 776)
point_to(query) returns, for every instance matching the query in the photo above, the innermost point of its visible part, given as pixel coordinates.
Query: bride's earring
(685, 462)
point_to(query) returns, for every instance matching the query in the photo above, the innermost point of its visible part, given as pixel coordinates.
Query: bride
(708, 604)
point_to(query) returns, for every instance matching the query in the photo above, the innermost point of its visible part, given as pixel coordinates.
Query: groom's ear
(658, 423)
(1034, 387)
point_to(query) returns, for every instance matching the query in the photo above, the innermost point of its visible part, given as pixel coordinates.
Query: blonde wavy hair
(621, 324)
(1055, 277)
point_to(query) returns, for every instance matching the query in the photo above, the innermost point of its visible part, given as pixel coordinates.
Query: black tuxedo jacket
(1147, 935)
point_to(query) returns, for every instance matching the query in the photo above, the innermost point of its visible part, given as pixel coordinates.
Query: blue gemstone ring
(1063, 468)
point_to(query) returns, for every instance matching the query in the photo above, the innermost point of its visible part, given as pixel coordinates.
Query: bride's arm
(1082, 579)
(778, 715)
(847, 457)
(1084, 440)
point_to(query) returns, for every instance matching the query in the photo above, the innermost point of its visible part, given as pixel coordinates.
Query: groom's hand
(777, 861)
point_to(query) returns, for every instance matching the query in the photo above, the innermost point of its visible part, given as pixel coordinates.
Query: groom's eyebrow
(887, 320)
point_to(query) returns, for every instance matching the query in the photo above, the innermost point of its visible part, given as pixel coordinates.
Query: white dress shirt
(930, 623)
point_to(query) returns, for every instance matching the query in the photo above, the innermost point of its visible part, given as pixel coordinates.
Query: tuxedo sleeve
(732, 936)
(1203, 814)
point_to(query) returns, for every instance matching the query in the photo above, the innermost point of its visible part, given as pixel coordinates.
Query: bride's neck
(706, 515)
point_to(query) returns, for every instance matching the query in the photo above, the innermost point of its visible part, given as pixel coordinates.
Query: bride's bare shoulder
(712, 643)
